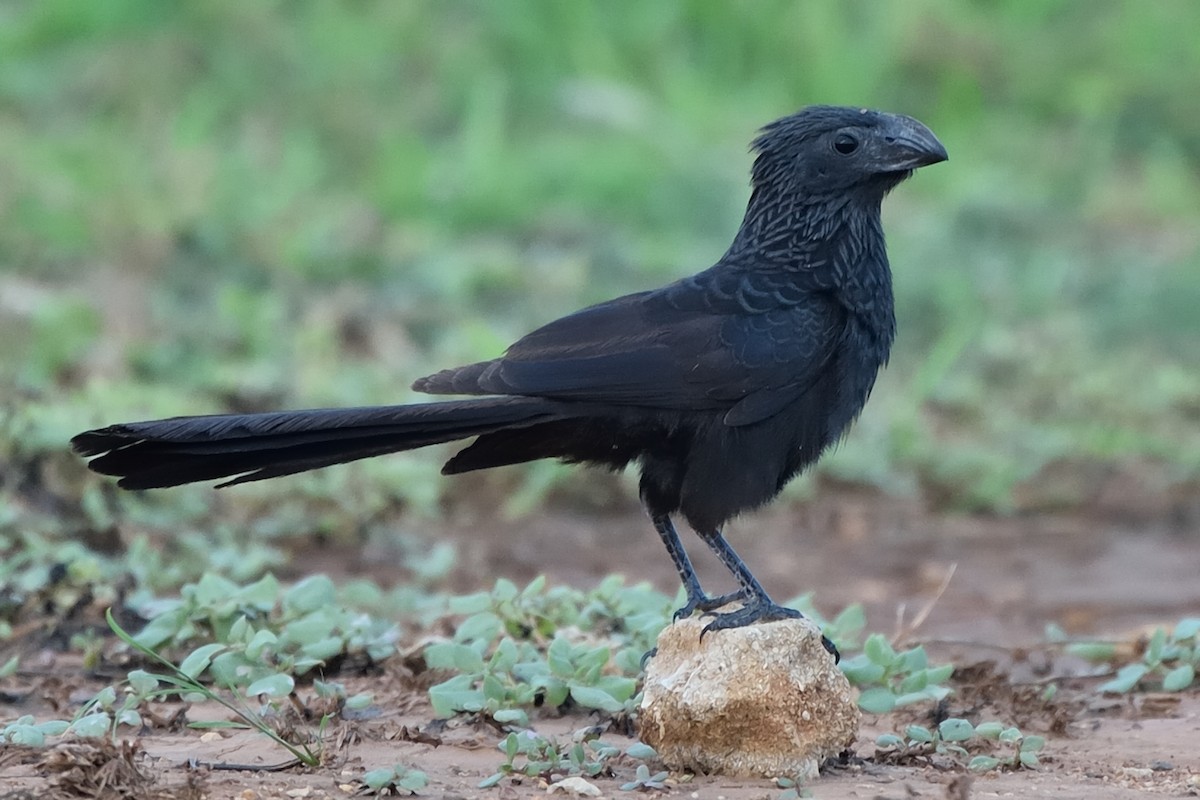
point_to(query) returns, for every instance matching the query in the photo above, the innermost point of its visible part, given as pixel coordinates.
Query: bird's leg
(757, 605)
(697, 600)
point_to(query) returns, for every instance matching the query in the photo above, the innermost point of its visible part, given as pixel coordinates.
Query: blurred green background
(236, 205)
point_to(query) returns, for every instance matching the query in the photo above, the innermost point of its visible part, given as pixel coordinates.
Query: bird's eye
(845, 144)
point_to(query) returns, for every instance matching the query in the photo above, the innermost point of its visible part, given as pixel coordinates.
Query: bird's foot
(762, 611)
(704, 604)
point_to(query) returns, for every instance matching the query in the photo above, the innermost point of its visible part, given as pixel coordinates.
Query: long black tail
(251, 447)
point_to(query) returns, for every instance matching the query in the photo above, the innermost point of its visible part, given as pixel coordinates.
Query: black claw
(763, 611)
(646, 656)
(831, 648)
(706, 604)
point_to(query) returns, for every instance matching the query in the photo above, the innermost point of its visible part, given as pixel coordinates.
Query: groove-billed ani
(721, 387)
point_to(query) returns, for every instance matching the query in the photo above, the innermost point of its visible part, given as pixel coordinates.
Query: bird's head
(832, 150)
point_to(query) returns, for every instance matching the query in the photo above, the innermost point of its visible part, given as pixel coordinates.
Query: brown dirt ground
(1108, 575)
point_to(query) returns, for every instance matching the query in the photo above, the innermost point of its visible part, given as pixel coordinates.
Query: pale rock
(765, 700)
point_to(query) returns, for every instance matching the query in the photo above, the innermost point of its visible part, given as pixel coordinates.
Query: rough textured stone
(765, 700)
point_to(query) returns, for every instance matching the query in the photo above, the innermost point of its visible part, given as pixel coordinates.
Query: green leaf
(861, 671)
(983, 763)
(1028, 759)
(915, 682)
(161, 629)
(940, 673)
(454, 695)
(198, 660)
(955, 730)
(278, 685)
(504, 590)
(511, 716)
(470, 603)
(641, 751)
(878, 650)
(491, 780)
(324, 649)
(879, 700)
(260, 595)
(989, 730)
(594, 697)
(92, 726)
(27, 735)
(379, 778)
(54, 727)
(1093, 651)
(360, 701)
(310, 594)
(619, 687)
(919, 733)
(888, 740)
(1032, 744)
(484, 626)
(1010, 735)
(1187, 628)
(1179, 678)
(260, 641)
(1154, 648)
(1127, 678)
(213, 589)
(913, 660)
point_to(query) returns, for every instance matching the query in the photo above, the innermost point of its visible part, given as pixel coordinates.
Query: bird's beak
(907, 144)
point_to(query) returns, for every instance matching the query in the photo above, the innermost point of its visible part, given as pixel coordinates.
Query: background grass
(230, 206)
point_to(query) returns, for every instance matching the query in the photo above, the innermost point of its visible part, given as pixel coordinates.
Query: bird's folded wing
(682, 348)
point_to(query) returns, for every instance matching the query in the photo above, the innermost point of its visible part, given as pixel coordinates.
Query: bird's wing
(743, 342)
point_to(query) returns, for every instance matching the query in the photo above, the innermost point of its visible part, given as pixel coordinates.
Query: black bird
(721, 387)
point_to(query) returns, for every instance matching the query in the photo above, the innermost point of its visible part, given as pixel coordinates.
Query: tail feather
(251, 447)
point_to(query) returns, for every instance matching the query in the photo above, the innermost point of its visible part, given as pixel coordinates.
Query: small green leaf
(861, 671)
(379, 778)
(1179, 678)
(278, 685)
(142, 682)
(27, 735)
(359, 701)
(260, 641)
(511, 716)
(491, 780)
(888, 740)
(983, 763)
(198, 660)
(1154, 648)
(594, 697)
(940, 673)
(1032, 744)
(106, 697)
(54, 727)
(878, 650)
(1093, 651)
(1029, 759)
(878, 700)
(989, 730)
(955, 730)
(470, 603)
(1127, 678)
(1187, 628)
(915, 682)
(640, 751)
(310, 594)
(1010, 735)
(918, 733)
(92, 726)
(913, 660)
